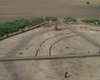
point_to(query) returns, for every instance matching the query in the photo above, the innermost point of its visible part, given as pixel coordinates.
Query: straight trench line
(46, 57)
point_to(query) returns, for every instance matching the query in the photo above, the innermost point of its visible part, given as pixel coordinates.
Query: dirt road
(15, 9)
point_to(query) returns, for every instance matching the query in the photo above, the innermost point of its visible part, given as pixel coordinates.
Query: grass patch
(14, 26)
(51, 18)
(92, 22)
(70, 20)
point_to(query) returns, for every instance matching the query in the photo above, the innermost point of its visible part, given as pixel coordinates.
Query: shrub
(14, 26)
(69, 20)
(87, 2)
(51, 18)
(92, 21)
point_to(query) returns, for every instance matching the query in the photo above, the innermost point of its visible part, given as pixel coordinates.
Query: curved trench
(37, 51)
(50, 48)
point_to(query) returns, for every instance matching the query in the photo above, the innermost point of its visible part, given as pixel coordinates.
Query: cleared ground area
(76, 46)
(15, 9)
(48, 42)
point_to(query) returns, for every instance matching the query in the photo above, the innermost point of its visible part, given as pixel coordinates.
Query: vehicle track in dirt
(37, 51)
(86, 38)
(50, 48)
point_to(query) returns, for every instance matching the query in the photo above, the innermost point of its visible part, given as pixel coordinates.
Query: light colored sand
(27, 43)
(91, 1)
(79, 69)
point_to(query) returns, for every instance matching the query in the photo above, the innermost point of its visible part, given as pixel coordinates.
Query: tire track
(37, 51)
(58, 41)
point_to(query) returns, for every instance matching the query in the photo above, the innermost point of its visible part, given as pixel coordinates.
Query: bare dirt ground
(15, 9)
(84, 1)
(48, 42)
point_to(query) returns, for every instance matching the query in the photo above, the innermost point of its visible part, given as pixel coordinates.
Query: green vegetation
(14, 26)
(51, 18)
(92, 22)
(70, 20)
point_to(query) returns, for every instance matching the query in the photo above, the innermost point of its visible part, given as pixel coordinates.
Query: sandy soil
(47, 42)
(15, 9)
(90, 31)
(91, 1)
(79, 69)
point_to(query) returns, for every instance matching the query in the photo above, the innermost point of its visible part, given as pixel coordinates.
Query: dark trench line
(59, 41)
(37, 51)
(44, 58)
